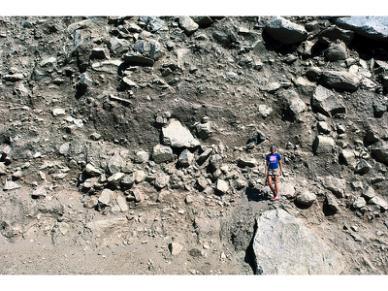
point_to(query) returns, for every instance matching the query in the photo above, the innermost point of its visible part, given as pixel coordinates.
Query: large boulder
(188, 24)
(380, 152)
(373, 27)
(178, 136)
(340, 80)
(283, 244)
(323, 144)
(162, 154)
(285, 31)
(326, 102)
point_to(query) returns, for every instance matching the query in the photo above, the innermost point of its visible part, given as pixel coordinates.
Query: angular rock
(137, 59)
(162, 154)
(222, 186)
(203, 129)
(148, 48)
(373, 27)
(264, 110)
(305, 199)
(336, 51)
(347, 157)
(10, 185)
(3, 168)
(380, 152)
(127, 181)
(359, 203)
(247, 162)
(284, 244)
(91, 170)
(362, 167)
(380, 202)
(326, 102)
(58, 112)
(118, 46)
(84, 83)
(90, 202)
(340, 80)
(335, 185)
(161, 180)
(122, 203)
(188, 24)
(139, 176)
(115, 179)
(106, 197)
(178, 136)
(202, 183)
(141, 157)
(323, 144)
(323, 127)
(175, 248)
(334, 33)
(379, 109)
(330, 205)
(295, 107)
(285, 31)
(186, 158)
(204, 156)
(369, 193)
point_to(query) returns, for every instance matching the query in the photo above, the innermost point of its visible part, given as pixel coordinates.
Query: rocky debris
(340, 80)
(175, 248)
(380, 202)
(162, 154)
(148, 48)
(347, 157)
(83, 84)
(379, 109)
(222, 186)
(306, 253)
(118, 46)
(325, 101)
(141, 157)
(359, 203)
(106, 197)
(178, 136)
(380, 152)
(373, 27)
(91, 170)
(265, 110)
(285, 31)
(188, 24)
(58, 112)
(336, 51)
(161, 180)
(247, 162)
(203, 129)
(323, 144)
(335, 185)
(305, 199)
(186, 158)
(362, 167)
(330, 205)
(10, 185)
(334, 33)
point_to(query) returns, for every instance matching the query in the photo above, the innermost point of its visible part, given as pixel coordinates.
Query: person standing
(273, 171)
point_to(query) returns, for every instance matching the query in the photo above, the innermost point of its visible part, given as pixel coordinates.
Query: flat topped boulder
(284, 245)
(178, 136)
(285, 31)
(373, 27)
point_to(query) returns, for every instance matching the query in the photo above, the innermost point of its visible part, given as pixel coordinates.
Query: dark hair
(272, 146)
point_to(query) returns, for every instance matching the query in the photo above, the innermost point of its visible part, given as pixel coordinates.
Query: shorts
(273, 172)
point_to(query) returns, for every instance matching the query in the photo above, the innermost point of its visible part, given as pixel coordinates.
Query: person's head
(273, 149)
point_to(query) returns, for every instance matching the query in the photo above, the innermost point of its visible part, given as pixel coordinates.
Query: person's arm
(281, 167)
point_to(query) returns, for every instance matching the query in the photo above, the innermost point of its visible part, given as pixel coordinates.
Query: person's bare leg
(270, 184)
(277, 187)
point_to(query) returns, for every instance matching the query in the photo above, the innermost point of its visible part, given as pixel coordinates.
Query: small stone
(379, 109)
(222, 186)
(10, 185)
(178, 136)
(106, 196)
(369, 193)
(127, 181)
(265, 110)
(202, 183)
(175, 248)
(39, 193)
(306, 198)
(362, 167)
(142, 157)
(335, 185)
(330, 206)
(122, 203)
(161, 180)
(90, 202)
(380, 202)
(186, 158)
(323, 127)
(99, 53)
(323, 144)
(162, 154)
(115, 178)
(3, 168)
(336, 51)
(247, 162)
(359, 203)
(189, 199)
(188, 24)
(139, 176)
(91, 170)
(58, 112)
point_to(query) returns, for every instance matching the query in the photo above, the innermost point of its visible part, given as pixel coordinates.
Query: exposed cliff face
(137, 144)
